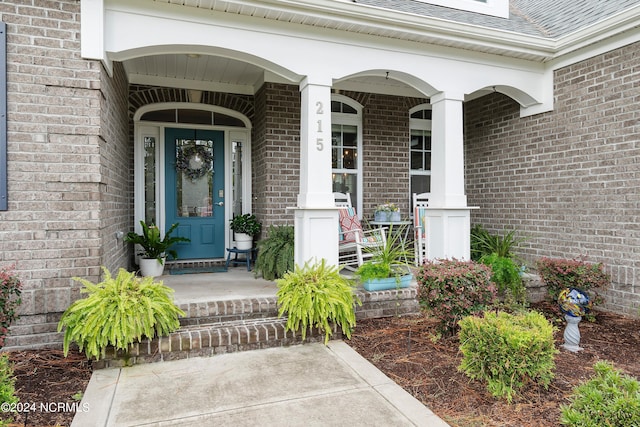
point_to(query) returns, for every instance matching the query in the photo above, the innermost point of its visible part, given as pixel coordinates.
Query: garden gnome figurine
(574, 304)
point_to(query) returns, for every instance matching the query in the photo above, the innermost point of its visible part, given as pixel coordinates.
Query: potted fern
(103, 318)
(317, 296)
(154, 248)
(275, 252)
(389, 265)
(245, 227)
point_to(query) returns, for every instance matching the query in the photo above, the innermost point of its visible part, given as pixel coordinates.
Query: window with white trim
(346, 148)
(420, 149)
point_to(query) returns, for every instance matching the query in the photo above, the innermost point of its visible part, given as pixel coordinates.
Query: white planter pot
(151, 267)
(244, 241)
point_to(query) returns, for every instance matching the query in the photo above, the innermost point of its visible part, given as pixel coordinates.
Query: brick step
(219, 327)
(201, 313)
(209, 340)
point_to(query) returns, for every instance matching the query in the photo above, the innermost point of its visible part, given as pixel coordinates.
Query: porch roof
(539, 30)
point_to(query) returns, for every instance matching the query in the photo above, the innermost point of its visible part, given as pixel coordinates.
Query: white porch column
(448, 216)
(316, 218)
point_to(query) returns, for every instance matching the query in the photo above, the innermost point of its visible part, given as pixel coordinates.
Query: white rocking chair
(420, 203)
(354, 240)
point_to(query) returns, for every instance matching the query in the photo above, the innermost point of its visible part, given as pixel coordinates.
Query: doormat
(196, 270)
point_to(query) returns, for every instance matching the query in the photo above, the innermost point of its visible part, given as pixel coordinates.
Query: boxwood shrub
(507, 350)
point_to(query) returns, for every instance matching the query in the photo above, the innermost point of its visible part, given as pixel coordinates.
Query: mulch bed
(405, 350)
(48, 385)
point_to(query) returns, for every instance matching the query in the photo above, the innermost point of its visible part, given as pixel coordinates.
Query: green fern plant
(316, 295)
(275, 252)
(118, 311)
(7, 387)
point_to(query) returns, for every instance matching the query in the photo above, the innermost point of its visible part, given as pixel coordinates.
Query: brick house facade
(566, 177)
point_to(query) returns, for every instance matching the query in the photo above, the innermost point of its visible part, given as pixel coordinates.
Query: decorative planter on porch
(387, 283)
(151, 266)
(244, 241)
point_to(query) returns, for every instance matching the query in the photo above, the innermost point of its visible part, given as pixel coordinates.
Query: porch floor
(235, 284)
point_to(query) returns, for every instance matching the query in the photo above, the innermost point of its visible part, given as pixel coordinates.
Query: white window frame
(351, 120)
(418, 124)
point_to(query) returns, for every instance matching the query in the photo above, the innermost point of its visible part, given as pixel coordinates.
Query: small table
(390, 224)
(248, 256)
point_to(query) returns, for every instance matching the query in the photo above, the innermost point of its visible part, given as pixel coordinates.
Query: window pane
(194, 182)
(350, 136)
(420, 184)
(346, 183)
(349, 156)
(160, 116)
(416, 160)
(417, 140)
(220, 119)
(427, 161)
(237, 178)
(335, 159)
(150, 179)
(197, 117)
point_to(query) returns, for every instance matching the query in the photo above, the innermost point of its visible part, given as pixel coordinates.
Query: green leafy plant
(118, 311)
(506, 275)
(610, 398)
(246, 223)
(10, 299)
(389, 260)
(316, 296)
(7, 385)
(558, 274)
(507, 351)
(484, 243)
(154, 246)
(452, 289)
(275, 252)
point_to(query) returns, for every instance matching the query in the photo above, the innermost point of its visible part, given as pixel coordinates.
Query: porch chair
(354, 240)
(420, 202)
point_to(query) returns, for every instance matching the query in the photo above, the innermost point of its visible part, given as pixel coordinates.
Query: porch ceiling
(218, 74)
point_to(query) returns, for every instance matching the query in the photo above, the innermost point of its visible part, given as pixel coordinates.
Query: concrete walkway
(304, 385)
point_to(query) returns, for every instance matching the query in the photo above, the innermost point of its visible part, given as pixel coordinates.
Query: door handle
(220, 203)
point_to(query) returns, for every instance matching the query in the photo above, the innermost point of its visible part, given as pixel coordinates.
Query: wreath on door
(195, 161)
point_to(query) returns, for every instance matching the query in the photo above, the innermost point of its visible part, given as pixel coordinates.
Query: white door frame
(156, 130)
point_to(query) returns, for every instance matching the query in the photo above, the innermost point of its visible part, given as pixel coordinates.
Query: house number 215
(319, 111)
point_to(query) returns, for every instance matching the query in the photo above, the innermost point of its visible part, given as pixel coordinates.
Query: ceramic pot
(244, 241)
(151, 267)
(381, 216)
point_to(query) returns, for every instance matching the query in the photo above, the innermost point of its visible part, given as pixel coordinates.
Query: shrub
(316, 295)
(453, 289)
(558, 274)
(10, 299)
(608, 399)
(118, 311)
(275, 252)
(507, 351)
(484, 243)
(7, 385)
(506, 275)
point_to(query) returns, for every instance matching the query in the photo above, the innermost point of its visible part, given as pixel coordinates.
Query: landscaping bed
(405, 350)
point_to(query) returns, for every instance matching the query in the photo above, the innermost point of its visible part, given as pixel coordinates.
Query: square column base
(316, 235)
(448, 233)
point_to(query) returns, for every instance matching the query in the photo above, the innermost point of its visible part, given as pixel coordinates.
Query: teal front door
(194, 191)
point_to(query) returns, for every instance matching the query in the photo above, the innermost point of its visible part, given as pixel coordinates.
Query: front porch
(233, 311)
